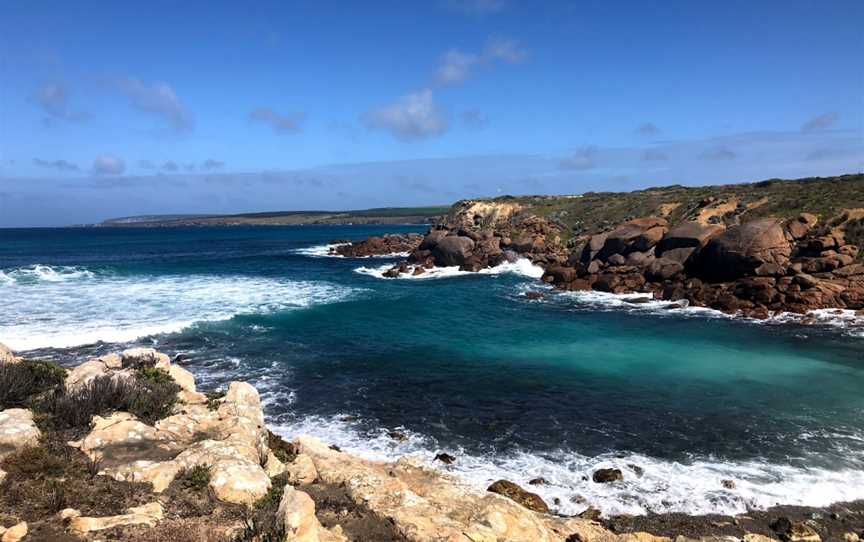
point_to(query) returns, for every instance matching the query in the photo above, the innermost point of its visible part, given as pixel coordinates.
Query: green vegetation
(261, 522)
(148, 398)
(195, 479)
(214, 399)
(285, 452)
(598, 211)
(22, 384)
(153, 376)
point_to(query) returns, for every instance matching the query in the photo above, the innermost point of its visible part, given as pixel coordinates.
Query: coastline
(371, 503)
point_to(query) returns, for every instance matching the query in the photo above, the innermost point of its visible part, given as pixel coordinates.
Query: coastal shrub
(214, 399)
(35, 462)
(153, 375)
(195, 479)
(148, 397)
(24, 382)
(285, 452)
(855, 235)
(261, 522)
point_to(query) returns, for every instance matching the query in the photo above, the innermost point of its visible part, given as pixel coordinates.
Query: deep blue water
(466, 364)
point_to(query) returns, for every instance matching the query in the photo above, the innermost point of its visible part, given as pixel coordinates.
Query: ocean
(462, 363)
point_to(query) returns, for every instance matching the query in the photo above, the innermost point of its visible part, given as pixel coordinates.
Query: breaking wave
(47, 306)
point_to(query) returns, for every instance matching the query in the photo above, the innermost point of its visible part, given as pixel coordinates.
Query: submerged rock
(445, 458)
(605, 476)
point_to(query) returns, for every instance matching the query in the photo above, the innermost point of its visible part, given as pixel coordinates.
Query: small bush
(195, 479)
(261, 522)
(285, 452)
(149, 399)
(24, 382)
(35, 463)
(153, 375)
(214, 399)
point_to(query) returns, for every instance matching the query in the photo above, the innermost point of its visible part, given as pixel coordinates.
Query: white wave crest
(43, 273)
(109, 307)
(694, 487)
(326, 251)
(849, 321)
(522, 267)
(321, 251)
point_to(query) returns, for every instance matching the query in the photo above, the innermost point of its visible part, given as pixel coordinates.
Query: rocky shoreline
(207, 468)
(753, 268)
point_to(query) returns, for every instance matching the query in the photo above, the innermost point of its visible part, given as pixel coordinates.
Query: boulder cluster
(378, 246)
(755, 268)
(471, 249)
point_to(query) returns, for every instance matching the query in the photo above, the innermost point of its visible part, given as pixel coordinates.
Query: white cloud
(53, 99)
(108, 164)
(412, 117)
(157, 98)
(820, 122)
(211, 164)
(288, 123)
(456, 65)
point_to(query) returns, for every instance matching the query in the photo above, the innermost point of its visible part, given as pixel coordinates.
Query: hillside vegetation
(594, 212)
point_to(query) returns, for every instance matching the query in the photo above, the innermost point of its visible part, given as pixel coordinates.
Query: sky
(111, 109)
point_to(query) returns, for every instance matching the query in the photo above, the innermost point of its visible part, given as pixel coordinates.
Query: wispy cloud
(158, 99)
(59, 165)
(108, 164)
(412, 117)
(719, 153)
(474, 118)
(476, 7)
(456, 65)
(581, 159)
(653, 155)
(170, 166)
(212, 165)
(283, 124)
(647, 129)
(146, 164)
(53, 99)
(820, 122)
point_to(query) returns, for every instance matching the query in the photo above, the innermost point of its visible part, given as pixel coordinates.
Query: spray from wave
(61, 307)
(521, 267)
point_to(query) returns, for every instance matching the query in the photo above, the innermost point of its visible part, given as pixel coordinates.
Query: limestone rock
(183, 378)
(297, 513)
(753, 537)
(15, 533)
(426, 504)
(6, 355)
(17, 430)
(144, 357)
(148, 514)
(302, 470)
(512, 491)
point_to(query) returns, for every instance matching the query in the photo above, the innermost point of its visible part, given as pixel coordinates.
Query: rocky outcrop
(230, 440)
(756, 268)
(6, 355)
(424, 504)
(17, 430)
(512, 491)
(15, 533)
(296, 514)
(384, 245)
(148, 514)
(745, 250)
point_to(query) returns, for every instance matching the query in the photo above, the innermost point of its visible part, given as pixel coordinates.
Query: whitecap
(63, 308)
(327, 251)
(522, 267)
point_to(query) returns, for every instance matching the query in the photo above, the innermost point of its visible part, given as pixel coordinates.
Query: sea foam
(60, 307)
(522, 267)
(693, 487)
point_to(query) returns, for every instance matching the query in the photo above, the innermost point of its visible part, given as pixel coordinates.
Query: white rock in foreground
(17, 430)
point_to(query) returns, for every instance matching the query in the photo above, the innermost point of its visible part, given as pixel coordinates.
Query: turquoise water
(463, 363)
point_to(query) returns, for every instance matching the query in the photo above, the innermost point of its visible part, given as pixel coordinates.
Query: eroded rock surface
(17, 430)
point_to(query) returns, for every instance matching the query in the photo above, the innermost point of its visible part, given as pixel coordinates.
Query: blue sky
(112, 109)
